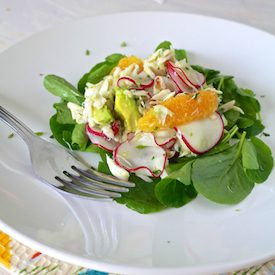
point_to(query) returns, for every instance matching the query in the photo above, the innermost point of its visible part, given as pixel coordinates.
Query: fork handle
(25, 132)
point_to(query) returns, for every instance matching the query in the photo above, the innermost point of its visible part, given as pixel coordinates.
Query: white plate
(199, 238)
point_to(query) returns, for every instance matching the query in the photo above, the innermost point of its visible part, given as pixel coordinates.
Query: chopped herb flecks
(141, 146)
(195, 96)
(156, 172)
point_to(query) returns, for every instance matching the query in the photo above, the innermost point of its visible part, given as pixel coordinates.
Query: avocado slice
(103, 115)
(127, 110)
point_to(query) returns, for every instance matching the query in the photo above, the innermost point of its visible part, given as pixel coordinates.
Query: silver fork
(57, 167)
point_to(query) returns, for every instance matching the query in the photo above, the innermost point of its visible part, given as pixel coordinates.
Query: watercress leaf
(221, 177)
(265, 161)
(245, 92)
(255, 129)
(250, 106)
(244, 122)
(165, 45)
(113, 59)
(58, 129)
(177, 163)
(180, 54)
(99, 71)
(217, 79)
(104, 168)
(103, 154)
(183, 174)
(245, 100)
(64, 115)
(229, 88)
(220, 147)
(98, 74)
(142, 197)
(82, 82)
(79, 137)
(62, 88)
(231, 117)
(249, 156)
(91, 148)
(67, 137)
(173, 193)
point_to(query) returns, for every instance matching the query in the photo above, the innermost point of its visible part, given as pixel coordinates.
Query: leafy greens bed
(226, 174)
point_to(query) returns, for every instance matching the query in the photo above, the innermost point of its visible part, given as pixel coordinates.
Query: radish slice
(202, 135)
(95, 130)
(187, 81)
(132, 81)
(182, 85)
(166, 142)
(141, 153)
(100, 139)
(165, 138)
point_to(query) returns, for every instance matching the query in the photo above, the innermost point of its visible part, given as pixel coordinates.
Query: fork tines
(95, 183)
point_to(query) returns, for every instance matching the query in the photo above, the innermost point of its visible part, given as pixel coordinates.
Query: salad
(176, 130)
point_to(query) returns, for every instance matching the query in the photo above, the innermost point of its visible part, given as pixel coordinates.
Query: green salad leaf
(100, 70)
(62, 88)
(264, 159)
(221, 177)
(179, 53)
(173, 193)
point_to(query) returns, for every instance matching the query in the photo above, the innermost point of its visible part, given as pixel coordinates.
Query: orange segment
(127, 61)
(186, 107)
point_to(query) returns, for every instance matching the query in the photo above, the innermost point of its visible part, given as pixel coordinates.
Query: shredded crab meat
(155, 63)
(181, 147)
(162, 83)
(116, 170)
(161, 112)
(230, 105)
(161, 96)
(77, 112)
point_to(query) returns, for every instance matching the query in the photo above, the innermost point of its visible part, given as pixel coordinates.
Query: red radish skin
(199, 75)
(163, 152)
(216, 139)
(95, 130)
(100, 140)
(181, 79)
(139, 86)
(181, 84)
(168, 144)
